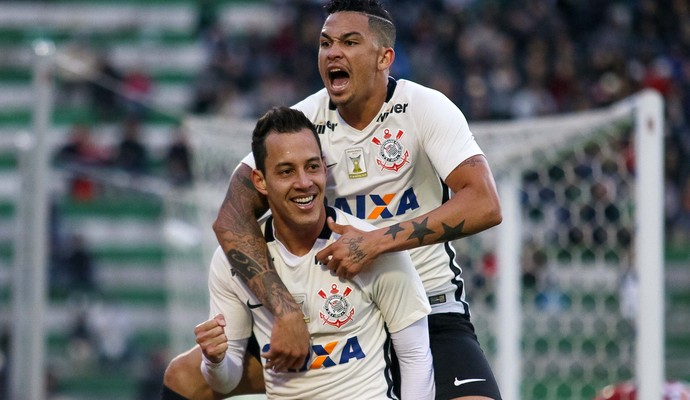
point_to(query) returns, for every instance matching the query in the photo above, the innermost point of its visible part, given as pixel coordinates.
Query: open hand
(350, 254)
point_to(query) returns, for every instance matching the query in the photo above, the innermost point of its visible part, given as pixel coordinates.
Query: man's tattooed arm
(473, 208)
(238, 233)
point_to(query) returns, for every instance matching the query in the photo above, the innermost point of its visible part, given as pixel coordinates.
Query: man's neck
(359, 115)
(299, 241)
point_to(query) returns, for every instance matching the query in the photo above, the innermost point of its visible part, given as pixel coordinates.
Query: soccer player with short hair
(352, 323)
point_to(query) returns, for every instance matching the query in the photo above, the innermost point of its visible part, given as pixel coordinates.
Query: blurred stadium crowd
(495, 59)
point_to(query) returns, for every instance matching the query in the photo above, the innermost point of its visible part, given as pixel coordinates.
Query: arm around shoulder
(237, 229)
(240, 237)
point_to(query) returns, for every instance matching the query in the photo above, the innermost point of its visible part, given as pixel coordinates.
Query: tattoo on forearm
(242, 265)
(420, 230)
(277, 298)
(356, 254)
(393, 230)
(451, 232)
(246, 250)
(267, 286)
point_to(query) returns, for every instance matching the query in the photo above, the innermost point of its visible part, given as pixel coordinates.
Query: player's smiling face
(294, 182)
(348, 54)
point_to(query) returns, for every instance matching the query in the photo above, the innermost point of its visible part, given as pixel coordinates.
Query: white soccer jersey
(350, 346)
(371, 173)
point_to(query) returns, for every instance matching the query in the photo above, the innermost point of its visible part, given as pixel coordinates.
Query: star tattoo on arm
(451, 232)
(393, 230)
(420, 230)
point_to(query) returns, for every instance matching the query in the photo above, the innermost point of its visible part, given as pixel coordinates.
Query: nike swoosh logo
(464, 381)
(253, 306)
(329, 166)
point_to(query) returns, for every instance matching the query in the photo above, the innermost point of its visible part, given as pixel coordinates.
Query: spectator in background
(131, 155)
(178, 167)
(137, 87)
(79, 266)
(80, 148)
(77, 155)
(207, 16)
(105, 89)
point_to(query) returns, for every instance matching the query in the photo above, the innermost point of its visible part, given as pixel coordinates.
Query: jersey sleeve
(224, 376)
(224, 293)
(415, 360)
(398, 290)
(249, 160)
(446, 136)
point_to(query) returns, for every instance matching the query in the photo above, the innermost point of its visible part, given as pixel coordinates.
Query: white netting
(577, 240)
(576, 200)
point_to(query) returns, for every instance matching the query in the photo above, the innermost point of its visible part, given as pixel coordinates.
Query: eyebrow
(290, 163)
(342, 37)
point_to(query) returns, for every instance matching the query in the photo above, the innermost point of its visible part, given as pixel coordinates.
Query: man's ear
(259, 181)
(386, 58)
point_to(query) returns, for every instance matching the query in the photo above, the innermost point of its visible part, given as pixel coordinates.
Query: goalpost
(513, 147)
(553, 289)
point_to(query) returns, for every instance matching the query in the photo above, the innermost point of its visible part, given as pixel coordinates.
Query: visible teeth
(304, 200)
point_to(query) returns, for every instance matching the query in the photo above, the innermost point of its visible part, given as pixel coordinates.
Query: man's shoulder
(311, 105)
(413, 89)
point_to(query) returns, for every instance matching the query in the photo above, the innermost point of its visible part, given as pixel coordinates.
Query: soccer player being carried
(351, 321)
(399, 155)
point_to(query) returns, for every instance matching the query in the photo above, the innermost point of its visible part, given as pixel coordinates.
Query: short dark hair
(280, 120)
(380, 20)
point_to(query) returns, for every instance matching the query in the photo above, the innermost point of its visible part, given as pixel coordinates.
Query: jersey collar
(326, 232)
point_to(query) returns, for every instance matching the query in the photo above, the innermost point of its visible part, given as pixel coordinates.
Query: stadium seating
(122, 228)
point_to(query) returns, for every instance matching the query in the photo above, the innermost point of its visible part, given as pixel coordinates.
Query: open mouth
(339, 78)
(305, 200)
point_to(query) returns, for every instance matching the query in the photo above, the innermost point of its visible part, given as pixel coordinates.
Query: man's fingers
(216, 334)
(220, 319)
(208, 324)
(282, 363)
(325, 255)
(335, 227)
(342, 272)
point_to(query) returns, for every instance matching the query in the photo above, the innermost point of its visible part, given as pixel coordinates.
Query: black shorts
(460, 366)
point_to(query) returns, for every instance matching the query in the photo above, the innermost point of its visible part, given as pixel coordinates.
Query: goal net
(553, 289)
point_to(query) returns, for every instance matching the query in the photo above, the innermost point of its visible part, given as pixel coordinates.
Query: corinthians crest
(336, 310)
(392, 155)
